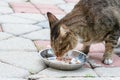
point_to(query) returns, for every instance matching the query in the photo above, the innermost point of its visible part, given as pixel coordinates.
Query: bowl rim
(66, 63)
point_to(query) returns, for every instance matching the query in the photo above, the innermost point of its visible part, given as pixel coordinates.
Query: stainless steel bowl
(47, 53)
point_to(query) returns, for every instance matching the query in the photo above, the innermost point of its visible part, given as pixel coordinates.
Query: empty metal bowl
(48, 53)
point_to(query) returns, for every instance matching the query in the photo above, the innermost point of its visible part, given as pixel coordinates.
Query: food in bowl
(72, 61)
(67, 60)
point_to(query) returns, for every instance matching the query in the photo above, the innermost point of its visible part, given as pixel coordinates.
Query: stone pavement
(24, 31)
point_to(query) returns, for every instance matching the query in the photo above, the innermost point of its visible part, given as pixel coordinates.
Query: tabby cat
(90, 21)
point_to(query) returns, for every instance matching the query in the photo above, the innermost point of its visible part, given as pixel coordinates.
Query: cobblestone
(14, 19)
(43, 34)
(34, 17)
(24, 8)
(5, 10)
(15, 0)
(83, 72)
(19, 29)
(48, 2)
(7, 70)
(108, 72)
(30, 61)
(17, 43)
(3, 4)
(49, 8)
(4, 36)
(72, 78)
(4, 78)
(67, 7)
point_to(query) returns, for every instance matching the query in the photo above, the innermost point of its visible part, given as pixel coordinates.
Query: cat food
(64, 60)
(73, 60)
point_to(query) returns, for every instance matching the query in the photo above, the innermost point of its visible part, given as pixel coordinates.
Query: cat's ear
(64, 30)
(52, 19)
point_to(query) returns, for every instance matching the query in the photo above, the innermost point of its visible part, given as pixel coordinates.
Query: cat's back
(95, 7)
(100, 12)
(99, 3)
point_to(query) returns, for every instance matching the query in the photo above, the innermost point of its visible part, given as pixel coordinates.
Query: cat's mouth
(60, 54)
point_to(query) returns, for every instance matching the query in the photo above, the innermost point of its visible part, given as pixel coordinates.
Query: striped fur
(92, 20)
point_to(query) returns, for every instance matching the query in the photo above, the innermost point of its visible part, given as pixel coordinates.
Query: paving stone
(40, 45)
(54, 11)
(72, 1)
(44, 24)
(14, 19)
(72, 78)
(21, 4)
(36, 17)
(25, 7)
(99, 47)
(60, 16)
(67, 7)
(6, 10)
(50, 73)
(48, 2)
(30, 61)
(3, 3)
(17, 43)
(15, 0)
(3, 78)
(4, 35)
(26, 10)
(18, 29)
(46, 6)
(7, 70)
(108, 72)
(43, 34)
(49, 8)
(112, 78)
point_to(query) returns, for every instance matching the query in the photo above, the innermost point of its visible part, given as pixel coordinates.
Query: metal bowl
(47, 53)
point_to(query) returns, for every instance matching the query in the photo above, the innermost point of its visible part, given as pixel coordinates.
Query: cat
(92, 21)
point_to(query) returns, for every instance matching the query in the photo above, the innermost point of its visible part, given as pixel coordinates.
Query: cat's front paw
(108, 61)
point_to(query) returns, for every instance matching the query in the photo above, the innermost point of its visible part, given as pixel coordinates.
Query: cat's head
(62, 38)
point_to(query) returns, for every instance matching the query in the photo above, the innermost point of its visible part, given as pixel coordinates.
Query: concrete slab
(80, 78)
(43, 34)
(14, 19)
(19, 29)
(5, 10)
(30, 61)
(108, 72)
(4, 36)
(10, 71)
(51, 73)
(17, 44)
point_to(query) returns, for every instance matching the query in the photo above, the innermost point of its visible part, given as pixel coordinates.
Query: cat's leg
(85, 48)
(110, 43)
(108, 53)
